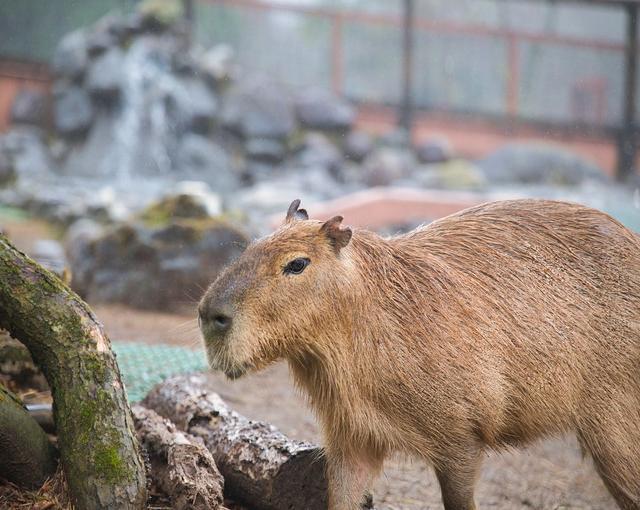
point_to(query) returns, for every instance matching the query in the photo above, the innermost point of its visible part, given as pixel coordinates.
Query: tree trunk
(261, 466)
(27, 457)
(181, 467)
(99, 452)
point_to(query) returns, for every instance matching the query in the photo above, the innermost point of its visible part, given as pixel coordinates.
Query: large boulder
(28, 153)
(434, 150)
(538, 163)
(318, 150)
(192, 106)
(29, 107)
(105, 76)
(150, 264)
(202, 159)
(357, 146)
(72, 110)
(321, 110)
(71, 57)
(258, 110)
(267, 150)
(386, 165)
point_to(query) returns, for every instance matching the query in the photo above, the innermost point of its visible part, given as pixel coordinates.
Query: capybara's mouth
(237, 372)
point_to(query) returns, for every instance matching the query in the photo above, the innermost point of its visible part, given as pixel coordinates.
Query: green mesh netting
(143, 366)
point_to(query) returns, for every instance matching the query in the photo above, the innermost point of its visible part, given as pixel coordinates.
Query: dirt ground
(549, 475)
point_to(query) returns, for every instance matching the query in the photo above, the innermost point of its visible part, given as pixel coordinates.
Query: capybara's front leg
(349, 477)
(457, 477)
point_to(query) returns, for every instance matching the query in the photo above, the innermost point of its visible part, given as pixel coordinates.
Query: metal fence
(463, 66)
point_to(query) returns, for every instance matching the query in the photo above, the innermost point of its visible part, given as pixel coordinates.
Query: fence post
(406, 106)
(627, 139)
(337, 54)
(513, 75)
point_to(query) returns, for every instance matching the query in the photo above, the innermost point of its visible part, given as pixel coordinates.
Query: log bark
(27, 457)
(99, 452)
(180, 466)
(262, 468)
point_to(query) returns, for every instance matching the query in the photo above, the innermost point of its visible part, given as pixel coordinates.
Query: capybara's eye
(296, 266)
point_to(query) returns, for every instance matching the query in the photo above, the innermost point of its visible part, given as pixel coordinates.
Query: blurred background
(144, 143)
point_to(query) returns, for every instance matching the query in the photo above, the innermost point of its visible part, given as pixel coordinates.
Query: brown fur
(489, 328)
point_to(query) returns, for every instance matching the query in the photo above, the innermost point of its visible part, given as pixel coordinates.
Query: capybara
(490, 328)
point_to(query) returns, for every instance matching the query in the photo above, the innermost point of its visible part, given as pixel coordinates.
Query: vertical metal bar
(406, 106)
(337, 55)
(513, 75)
(188, 13)
(627, 139)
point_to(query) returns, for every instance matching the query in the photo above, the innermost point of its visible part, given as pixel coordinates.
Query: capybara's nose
(221, 322)
(216, 317)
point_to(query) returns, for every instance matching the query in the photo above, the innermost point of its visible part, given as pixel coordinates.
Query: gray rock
(28, 152)
(538, 163)
(71, 57)
(265, 149)
(192, 106)
(152, 267)
(433, 150)
(29, 107)
(259, 110)
(72, 111)
(386, 165)
(317, 109)
(104, 77)
(217, 64)
(357, 146)
(318, 150)
(200, 158)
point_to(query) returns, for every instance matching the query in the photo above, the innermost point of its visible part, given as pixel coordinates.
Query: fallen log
(262, 468)
(98, 449)
(27, 457)
(180, 466)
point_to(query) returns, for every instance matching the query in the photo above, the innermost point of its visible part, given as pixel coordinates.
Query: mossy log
(262, 468)
(181, 466)
(98, 448)
(27, 457)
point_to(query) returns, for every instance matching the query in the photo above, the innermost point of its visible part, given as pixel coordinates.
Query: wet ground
(549, 475)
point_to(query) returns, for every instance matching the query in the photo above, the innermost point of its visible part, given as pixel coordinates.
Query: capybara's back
(492, 327)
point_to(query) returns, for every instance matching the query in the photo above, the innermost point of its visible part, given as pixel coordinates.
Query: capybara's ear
(338, 236)
(293, 213)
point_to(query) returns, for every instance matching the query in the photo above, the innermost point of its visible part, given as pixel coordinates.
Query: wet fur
(493, 327)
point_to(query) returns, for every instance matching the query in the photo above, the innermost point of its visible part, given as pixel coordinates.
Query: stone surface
(258, 110)
(386, 165)
(192, 106)
(200, 158)
(27, 151)
(161, 261)
(105, 75)
(71, 57)
(538, 163)
(357, 146)
(321, 110)
(29, 107)
(265, 149)
(433, 150)
(72, 110)
(318, 150)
